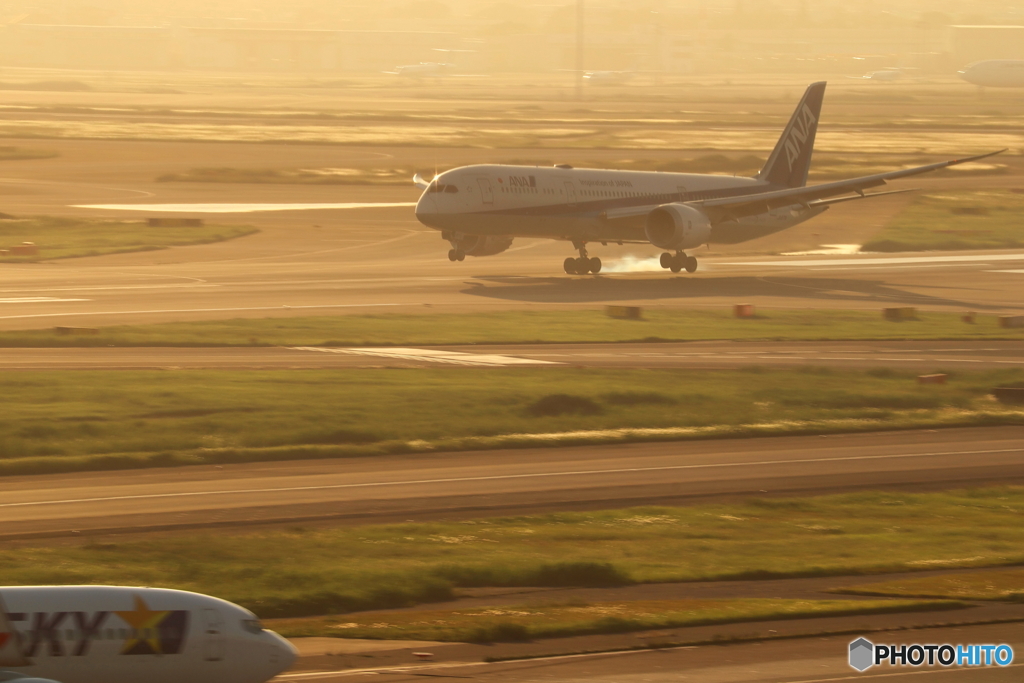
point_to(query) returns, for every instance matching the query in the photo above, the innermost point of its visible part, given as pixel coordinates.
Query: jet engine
(479, 245)
(677, 227)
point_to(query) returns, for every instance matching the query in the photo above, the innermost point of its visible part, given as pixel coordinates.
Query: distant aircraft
(107, 634)
(883, 75)
(423, 70)
(607, 77)
(995, 73)
(480, 209)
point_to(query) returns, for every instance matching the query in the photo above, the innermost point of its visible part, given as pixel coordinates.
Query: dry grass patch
(993, 219)
(997, 584)
(516, 623)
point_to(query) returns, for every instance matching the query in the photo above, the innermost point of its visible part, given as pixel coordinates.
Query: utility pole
(579, 49)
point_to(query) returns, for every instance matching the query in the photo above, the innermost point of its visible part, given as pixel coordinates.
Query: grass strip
(1000, 584)
(59, 238)
(520, 623)
(515, 327)
(9, 153)
(990, 219)
(299, 572)
(52, 421)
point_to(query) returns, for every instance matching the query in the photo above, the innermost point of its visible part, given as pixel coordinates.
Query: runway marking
(863, 677)
(36, 300)
(409, 668)
(1005, 271)
(908, 267)
(103, 288)
(432, 356)
(451, 665)
(240, 208)
(505, 477)
(196, 310)
(881, 261)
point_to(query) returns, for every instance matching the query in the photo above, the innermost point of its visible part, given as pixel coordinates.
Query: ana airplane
(481, 209)
(106, 634)
(995, 73)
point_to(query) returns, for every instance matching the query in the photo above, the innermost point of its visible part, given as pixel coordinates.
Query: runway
(382, 488)
(907, 355)
(374, 257)
(804, 660)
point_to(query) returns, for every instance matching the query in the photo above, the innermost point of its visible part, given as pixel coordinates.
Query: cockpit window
(252, 625)
(441, 187)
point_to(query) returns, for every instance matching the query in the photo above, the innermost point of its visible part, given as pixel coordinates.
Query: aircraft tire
(595, 265)
(460, 255)
(666, 259)
(570, 266)
(452, 255)
(582, 266)
(691, 264)
(675, 268)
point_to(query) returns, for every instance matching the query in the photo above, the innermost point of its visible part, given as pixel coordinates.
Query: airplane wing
(634, 211)
(840, 200)
(749, 205)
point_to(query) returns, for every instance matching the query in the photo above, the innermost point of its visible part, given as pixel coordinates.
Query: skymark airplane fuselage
(481, 209)
(108, 634)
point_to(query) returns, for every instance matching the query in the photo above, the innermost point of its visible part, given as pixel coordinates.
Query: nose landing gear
(583, 264)
(679, 261)
(456, 255)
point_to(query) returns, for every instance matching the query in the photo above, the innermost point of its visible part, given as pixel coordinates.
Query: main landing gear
(583, 264)
(678, 261)
(456, 255)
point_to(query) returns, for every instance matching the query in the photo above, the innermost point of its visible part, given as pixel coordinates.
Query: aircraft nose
(282, 654)
(426, 209)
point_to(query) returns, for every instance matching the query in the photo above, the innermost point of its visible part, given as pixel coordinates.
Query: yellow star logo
(145, 634)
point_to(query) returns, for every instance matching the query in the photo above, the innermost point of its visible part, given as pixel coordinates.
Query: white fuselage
(584, 205)
(995, 73)
(106, 634)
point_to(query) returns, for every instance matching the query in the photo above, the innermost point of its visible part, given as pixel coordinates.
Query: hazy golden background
(651, 38)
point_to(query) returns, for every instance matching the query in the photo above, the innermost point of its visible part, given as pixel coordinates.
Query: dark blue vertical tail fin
(791, 159)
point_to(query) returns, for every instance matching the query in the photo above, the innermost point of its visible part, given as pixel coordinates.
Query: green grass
(527, 327)
(321, 571)
(996, 584)
(64, 421)
(73, 237)
(515, 623)
(993, 219)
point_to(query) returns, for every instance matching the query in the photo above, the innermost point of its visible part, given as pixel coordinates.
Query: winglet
(419, 182)
(790, 161)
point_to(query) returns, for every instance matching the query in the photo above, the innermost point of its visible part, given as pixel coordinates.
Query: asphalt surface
(389, 488)
(820, 659)
(909, 355)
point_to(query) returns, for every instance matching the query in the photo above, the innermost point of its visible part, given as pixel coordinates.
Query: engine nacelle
(678, 226)
(479, 245)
